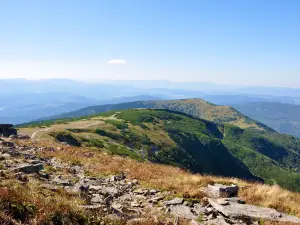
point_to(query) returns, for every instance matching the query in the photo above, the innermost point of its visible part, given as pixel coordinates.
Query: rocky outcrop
(6, 130)
(28, 168)
(236, 210)
(118, 196)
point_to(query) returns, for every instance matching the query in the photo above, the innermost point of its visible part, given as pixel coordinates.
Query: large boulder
(6, 130)
(221, 191)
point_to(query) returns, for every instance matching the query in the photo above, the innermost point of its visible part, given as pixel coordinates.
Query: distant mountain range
(284, 118)
(25, 107)
(26, 100)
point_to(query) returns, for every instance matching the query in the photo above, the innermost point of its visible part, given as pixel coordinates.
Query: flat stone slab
(182, 211)
(28, 168)
(245, 211)
(175, 201)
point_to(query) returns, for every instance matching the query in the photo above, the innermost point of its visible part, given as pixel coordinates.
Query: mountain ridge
(196, 107)
(178, 139)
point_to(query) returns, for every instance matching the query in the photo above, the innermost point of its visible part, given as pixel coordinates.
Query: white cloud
(117, 61)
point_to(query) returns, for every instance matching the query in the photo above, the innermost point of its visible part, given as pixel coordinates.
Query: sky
(228, 42)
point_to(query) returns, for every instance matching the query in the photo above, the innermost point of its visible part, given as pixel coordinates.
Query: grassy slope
(170, 178)
(194, 144)
(195, 107)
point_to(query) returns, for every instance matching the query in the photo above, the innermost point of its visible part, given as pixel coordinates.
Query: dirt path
(38, 131)
(90, 125)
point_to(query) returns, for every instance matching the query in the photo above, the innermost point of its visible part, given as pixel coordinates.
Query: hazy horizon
(234, 43)
(112, 81)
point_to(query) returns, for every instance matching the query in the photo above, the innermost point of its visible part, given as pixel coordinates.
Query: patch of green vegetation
(123, 151)
(118, 124)
(92, 142)
(78, 130)
(264, 167)
(277, 147)
(126, 137)
(171, 121)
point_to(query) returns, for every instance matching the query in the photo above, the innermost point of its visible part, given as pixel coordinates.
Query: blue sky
(231, 42)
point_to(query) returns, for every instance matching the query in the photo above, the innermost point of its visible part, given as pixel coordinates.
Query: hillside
(173, 138)
(49, 183)
(195, 107)
(284, 118)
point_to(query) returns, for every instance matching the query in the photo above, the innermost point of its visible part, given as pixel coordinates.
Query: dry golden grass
(30, 204)
(174, 179)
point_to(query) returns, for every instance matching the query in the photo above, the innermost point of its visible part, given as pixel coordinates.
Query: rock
(135, 182)
(135, 204)
(6, 130)
(4, 156)
(115, 178)
(56, 163)
(22, 177)
(153, 191)
(235, 199)
(156, 199)
(194, 222)
(7, 144)
(210, 210)
(28, 168)
(199, 209)
(75, 170)
(187, 203)
(182, 211)
(97, 199)
(61, 181)
(110, 191)
(210, 217)
(18, 136)
(141, 191)
(216, 221)
(175, 201)
(221, 191)
(245, 211)
(117, 207)
(95, 188)
(83, 187)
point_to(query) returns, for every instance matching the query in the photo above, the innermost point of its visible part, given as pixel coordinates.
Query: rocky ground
(119, 197)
